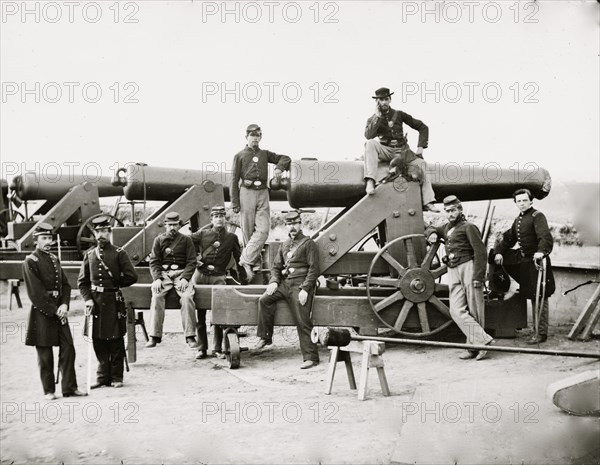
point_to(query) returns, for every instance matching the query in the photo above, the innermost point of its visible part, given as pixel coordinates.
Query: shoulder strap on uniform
(33, 257)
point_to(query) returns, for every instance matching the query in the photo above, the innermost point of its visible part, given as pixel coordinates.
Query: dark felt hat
(172, 218)
(383, 92)
(101, 222)
(252, 128)
(451, 200)
(292, 216)
(217, 211)
(43, 229)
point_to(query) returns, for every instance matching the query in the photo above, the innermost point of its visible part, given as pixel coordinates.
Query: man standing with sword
(104, 271)
(529, 264)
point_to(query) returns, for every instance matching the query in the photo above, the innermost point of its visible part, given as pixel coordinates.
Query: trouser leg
(247, 212)
(188, 310)
(460, 312)
(202, 337)
(427, 193)
(46, 366)
(374, 152)
(251, 254)
(217, 338)
(266, 313)
(157, 310)
(117, 359)
(301, 314)
(102, 350)
(66, 360)
(543, 315)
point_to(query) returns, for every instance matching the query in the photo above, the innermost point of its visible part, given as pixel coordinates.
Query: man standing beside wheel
(466, 261)
(216, 246)
(250, 195)
(531, 232)
(104, 271)
(50, 295)
(293, 277)
(172, 264)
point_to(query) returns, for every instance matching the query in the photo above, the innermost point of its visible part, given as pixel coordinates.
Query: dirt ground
(175, 409)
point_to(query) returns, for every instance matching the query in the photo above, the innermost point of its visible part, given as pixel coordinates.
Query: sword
(89, 327)
(540, 293)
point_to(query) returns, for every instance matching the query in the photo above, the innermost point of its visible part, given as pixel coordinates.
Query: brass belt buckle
(291, 270)
(210, 268)
(55, 293)
(257, 183)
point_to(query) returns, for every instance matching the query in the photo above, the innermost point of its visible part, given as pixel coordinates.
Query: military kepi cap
(217, 211)
(102, 222)
(172, 218)
(383, 92)
(43, 229)
(451, 200)
(292, 217)
(253, 128)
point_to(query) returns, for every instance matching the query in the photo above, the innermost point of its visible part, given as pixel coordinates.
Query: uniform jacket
(42, 273)
(216, 249)
(245, 168)
(109, 309)
(530, 231)
(304, 261)
(463, 243)
(163, 253)
(378, 126)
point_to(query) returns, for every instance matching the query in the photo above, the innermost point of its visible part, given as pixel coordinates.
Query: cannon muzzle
(33, 186)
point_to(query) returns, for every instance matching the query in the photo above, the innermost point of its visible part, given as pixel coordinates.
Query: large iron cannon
(313, 183)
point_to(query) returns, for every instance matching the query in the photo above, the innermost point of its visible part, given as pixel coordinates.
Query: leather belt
(293, 272)
(103, 289)
(256, 183)
(170, 267)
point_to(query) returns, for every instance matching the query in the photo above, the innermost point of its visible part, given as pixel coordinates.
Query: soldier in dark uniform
(531, 232)
(386, 140)
(293, 277)
(216, 247)
(104, 271)
(466, 260)
(172, 264)
(50, 294)
(250, 195)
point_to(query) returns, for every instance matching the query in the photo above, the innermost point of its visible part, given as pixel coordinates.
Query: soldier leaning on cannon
(216, 247)
(104, 271)
(250, 195)
(293, 277)
(531, 232)
(172, 264)
(466, 260)
(386, 141)
(50, 294)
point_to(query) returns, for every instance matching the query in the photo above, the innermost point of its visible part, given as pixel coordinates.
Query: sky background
(181, 56)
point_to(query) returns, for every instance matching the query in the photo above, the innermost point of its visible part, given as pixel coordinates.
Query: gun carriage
(397, 287)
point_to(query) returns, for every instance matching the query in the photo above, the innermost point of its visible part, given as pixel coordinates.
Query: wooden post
(587, 318)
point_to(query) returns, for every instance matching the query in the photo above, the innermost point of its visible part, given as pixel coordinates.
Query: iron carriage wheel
(414, 286)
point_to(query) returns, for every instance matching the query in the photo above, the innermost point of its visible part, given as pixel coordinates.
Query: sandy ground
(175, 409)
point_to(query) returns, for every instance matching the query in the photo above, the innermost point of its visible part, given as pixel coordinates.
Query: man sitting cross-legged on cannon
(216, 246)
(104, 271)
(293, 276)
(172, 264)
(466, 260)
(386, 141)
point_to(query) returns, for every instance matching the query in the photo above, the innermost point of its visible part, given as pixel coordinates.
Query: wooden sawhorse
(371, 358)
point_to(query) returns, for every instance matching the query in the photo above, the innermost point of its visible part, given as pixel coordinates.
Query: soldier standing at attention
(466, 260)
(531, 232)
(250, 195)
(172, 264)
(104, 271)
(293, 277)
(50, 294)
(216, 246)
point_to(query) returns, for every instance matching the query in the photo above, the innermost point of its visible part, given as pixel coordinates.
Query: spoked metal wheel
(85, 235)
(415, 286)
(232, 348)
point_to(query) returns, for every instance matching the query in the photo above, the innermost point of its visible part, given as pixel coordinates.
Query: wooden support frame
(588, 318)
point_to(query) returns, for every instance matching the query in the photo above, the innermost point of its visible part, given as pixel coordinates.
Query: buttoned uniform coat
(109, 313)
(42, 273)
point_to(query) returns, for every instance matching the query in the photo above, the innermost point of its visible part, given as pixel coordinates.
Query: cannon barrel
(313, 183)
(32, 186)
(167, 184)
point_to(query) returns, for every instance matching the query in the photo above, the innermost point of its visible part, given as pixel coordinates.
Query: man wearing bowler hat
(172, 264)
(294, 274)
(386, 140)
(50, 295)
(250, 195)
(216, 247)
(104, 271)
(466, 261)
